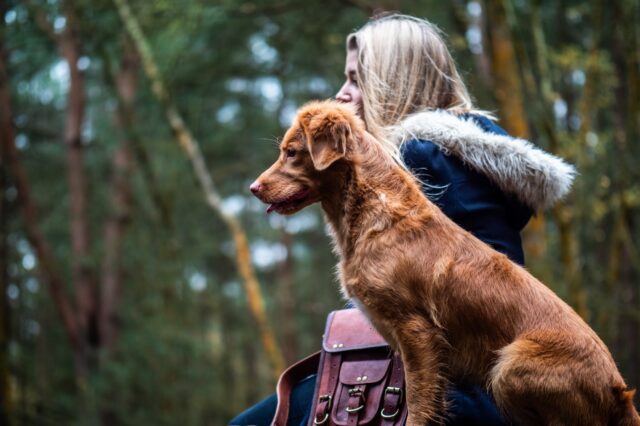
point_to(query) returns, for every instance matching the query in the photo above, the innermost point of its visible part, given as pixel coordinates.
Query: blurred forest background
(141, 283)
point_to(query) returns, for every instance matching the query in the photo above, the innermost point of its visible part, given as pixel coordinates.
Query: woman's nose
(343, 95)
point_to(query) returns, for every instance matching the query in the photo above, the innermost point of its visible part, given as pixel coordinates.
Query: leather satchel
(360, 381)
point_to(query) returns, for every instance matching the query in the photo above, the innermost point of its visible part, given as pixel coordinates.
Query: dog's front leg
(423, 347)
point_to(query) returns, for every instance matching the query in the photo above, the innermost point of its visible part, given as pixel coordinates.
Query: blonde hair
(404, 67)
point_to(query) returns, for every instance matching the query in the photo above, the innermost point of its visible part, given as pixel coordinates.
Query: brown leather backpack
(360, 380)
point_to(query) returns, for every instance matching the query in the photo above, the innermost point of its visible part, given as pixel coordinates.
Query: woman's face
(350, 92)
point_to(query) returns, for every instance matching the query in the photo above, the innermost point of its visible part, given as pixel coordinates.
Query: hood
(516, 166)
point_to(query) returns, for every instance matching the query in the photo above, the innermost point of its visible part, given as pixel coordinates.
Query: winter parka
(486, 181)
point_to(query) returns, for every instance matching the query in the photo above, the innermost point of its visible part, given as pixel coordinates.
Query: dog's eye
(291, 153)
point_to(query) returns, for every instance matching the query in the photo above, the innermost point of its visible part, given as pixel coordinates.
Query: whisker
(275, 140)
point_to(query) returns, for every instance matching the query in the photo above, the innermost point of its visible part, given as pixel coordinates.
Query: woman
(404, 83)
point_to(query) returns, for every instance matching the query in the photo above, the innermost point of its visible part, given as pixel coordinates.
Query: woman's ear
(327, 131)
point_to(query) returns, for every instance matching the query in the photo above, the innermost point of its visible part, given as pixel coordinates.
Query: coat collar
(516, 166)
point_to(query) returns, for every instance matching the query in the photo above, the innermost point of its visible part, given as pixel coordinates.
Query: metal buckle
(393, 390)
(322, 398)
(356, 392)
(326, 397)
(354, 410)
(388, 416)
(316, 422)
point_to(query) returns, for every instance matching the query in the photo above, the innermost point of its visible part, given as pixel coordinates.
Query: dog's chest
(368, 281)
(347, 280)
(354, 272)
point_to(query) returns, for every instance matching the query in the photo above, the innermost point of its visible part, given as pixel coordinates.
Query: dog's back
(502, 327)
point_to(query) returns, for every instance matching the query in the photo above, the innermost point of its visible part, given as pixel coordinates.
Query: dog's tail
(625, 413)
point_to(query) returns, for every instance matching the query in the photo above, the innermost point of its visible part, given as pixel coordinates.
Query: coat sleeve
(468, 197)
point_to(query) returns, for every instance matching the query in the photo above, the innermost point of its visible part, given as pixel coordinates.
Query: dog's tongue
(271, 208)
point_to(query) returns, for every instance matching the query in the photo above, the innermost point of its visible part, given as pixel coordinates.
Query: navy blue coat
(467, 196)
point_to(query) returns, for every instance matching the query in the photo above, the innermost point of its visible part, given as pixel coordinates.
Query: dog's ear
(327, 132)
(329, 145)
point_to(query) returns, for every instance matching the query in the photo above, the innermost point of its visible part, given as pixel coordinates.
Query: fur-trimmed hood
(516, 166)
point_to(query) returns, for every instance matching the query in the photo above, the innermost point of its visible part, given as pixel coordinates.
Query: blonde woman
(405, 85)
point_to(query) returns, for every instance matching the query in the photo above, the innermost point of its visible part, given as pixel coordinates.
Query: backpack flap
(349, 329)
(364, 372)
(366, 376)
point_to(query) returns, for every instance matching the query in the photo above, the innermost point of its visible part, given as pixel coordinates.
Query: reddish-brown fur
(456, 309)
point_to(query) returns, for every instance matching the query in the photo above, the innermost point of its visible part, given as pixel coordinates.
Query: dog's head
(321, 136)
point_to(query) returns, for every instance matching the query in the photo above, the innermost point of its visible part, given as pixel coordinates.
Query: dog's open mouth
(290, 204)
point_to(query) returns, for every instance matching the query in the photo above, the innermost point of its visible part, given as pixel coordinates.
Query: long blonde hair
(404, 67)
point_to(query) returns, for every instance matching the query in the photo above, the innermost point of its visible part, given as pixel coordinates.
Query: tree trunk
(508, 90)
(81, 268)
(120, 200)
(46, 262)
(508, 93)
(85, 292)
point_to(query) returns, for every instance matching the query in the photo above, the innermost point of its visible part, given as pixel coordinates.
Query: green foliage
(188, 351)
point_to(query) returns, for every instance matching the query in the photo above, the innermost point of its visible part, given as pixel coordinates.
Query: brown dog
(456, 309)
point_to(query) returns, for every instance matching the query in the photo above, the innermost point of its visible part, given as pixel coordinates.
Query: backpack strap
(325, 388)
(392, 399)
(289, 378)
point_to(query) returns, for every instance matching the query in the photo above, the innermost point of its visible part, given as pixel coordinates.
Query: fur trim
(516, 166)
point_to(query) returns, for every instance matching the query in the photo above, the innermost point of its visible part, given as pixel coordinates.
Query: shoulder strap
(288, 380)
(324, 393)
(392, 401)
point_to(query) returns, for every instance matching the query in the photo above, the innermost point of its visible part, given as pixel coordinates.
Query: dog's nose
(256, 187)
